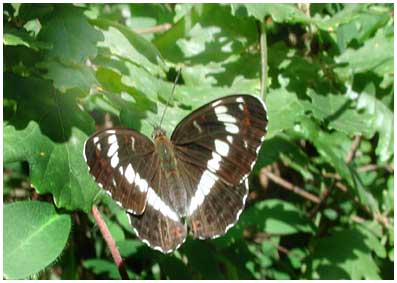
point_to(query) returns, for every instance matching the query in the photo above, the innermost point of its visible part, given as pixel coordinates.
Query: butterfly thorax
(165, 151)
(158, 132)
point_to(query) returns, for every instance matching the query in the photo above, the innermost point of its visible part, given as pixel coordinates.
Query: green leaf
(123, 42)
(141, 97)
(15, 37)
(363, 23)
(388, 195)
(34, 236)
(32, 11)
(101, 266)
(285, 110)
(331, 214)
(174, 269)
(280, 274)
(339, 112)
(149, 15)
(296, 257)
(73, 39)
(276, 217)
(281, 146)
(202, 259)
(382, 123)
(269, 246)
(355, 21)
(56, 168)
(56, 113)
(344, 255)
(50, 133)
(333, 147)
(69, 77)
(114, 229)
(280, 13)
(116, 210)
(372, 239)
(376, 55)
(207, 33)
(129, 247)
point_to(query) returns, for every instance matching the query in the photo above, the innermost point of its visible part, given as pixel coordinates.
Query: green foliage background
(69, 69)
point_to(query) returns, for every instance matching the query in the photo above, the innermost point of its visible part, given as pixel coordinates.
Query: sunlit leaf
(34, 236)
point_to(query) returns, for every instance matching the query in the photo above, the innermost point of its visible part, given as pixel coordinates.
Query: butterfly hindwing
(160, 226)
(121, 160)
(214, 205)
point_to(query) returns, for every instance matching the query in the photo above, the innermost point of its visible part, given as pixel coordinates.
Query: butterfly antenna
(170, 96)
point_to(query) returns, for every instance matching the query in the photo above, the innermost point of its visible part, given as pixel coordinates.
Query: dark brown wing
(121, 161)
(160, 226)
(215, 206)
(225, 135)
(216, 147)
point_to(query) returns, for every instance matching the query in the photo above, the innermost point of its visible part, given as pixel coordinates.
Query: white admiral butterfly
(198, 178)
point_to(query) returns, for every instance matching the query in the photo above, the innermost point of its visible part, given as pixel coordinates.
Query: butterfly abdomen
(176, 192)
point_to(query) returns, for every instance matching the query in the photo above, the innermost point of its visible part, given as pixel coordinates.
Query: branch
(291, 187)
(263, 46)
(324, 197)
(349, 157)
(341, 187)
(110, 242)
(154, 29)
(352, 152)
(283, 249)
(372, 167)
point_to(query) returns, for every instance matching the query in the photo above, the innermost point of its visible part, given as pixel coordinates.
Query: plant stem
(349, 157)
(263, 46)
(371, 167)
(110, 242)
(154, 29)
(289, 186)
(352, 152)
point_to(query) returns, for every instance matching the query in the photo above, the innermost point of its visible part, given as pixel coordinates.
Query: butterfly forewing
(121, 161)
(223, 135)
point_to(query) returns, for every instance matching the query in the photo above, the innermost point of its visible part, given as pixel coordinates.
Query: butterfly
(196, 180)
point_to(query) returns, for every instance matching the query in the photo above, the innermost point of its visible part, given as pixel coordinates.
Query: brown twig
(323, 198)
(357, 219)
(332, 175)
(110, 242)
(349, 157)
(372, 167)
(365, 168)
(353, 149)
(381, 218)
(341, 187)
(260, 237)
(263, 46)
(282, 249)
(154, 29)
(289, 186)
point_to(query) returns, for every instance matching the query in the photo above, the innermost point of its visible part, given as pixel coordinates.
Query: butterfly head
(158, 132)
